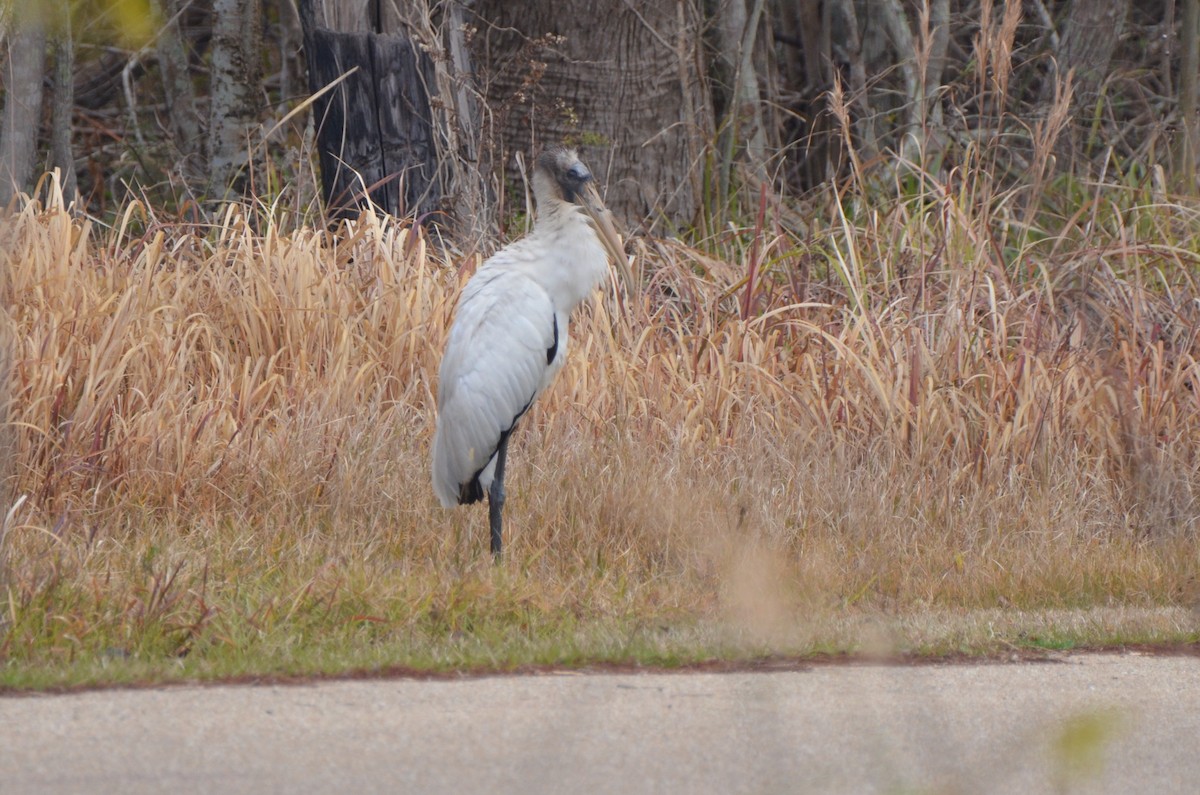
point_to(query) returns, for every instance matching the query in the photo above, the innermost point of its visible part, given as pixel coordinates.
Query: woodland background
(690, 110)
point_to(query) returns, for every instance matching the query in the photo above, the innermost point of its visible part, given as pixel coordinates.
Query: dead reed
(918, 406)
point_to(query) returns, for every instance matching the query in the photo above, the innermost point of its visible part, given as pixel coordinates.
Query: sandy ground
(1083, 723)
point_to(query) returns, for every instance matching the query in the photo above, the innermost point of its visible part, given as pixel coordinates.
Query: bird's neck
(573, 261)
(554, 214)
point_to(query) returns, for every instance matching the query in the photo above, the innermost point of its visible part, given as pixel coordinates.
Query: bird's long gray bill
(593, 205)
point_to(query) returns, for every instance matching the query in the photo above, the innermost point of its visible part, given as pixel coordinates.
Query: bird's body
(510, 332)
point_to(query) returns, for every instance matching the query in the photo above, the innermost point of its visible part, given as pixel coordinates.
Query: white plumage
(510, 331)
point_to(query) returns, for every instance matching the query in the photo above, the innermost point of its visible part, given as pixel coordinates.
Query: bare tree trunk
(811, 127)
(737, 30)
(812, 17)
(234, 101)
(407, 118)
(461, 128)
(184, 117)
(1093, 29)
(355, 16)
(375, 129)
(935, 42)
(863, 116)
(24, 69)
(895, 22)
(921, 59)
(291, 37)
(1092, 32)
(456, 117)
(622, 77)
(1188, 147)
(62, 155)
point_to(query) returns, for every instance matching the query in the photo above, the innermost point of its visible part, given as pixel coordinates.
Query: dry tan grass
(221, 438)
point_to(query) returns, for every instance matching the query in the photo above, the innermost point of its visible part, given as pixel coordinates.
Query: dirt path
(1085, 723)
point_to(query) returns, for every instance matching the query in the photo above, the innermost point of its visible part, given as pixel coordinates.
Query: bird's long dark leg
(496, 496)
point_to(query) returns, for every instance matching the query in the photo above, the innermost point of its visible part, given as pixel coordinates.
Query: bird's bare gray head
(559, 175)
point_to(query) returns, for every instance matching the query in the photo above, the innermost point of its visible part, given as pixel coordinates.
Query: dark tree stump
(374, 129)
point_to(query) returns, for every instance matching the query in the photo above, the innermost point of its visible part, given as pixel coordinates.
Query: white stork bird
(509, 336)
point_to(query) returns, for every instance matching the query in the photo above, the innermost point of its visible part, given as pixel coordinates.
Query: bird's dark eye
(572, 181)
(578, 173)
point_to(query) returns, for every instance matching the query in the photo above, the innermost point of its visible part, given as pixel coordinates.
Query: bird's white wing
(504, 337)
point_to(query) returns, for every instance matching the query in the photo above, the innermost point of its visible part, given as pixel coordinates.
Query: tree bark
(374, 129)
(462, 160)
(812, 17)
(863, 115)
(375, 132)
(234, 101)
(62, 154)
(921, 59)
(1093, 30)
(811, 140)
(935, 33)
(24, 69)
(1188, 146)
(737, 29)
(895, 22)
(186, 126)
(621, 78)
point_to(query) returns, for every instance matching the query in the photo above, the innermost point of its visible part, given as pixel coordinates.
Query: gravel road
(1084, 723)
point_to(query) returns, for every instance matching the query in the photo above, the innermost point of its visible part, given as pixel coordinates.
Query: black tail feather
(470, 492)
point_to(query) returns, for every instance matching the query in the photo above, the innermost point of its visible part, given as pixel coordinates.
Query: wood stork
(509, 336)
